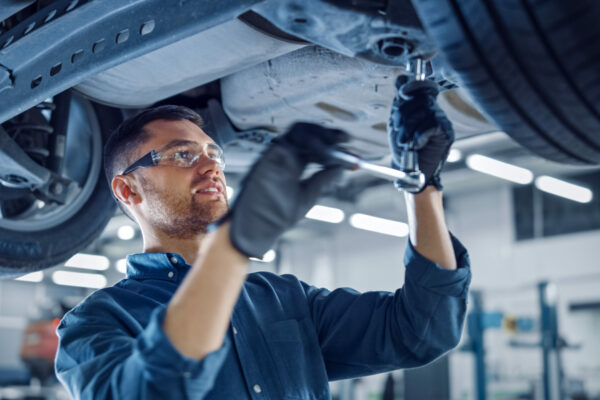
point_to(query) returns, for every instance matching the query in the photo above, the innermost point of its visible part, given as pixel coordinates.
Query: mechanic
(189, 322)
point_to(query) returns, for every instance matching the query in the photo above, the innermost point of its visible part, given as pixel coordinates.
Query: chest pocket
(294, 347)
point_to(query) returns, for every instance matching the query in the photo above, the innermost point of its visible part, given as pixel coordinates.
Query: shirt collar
(166, 266)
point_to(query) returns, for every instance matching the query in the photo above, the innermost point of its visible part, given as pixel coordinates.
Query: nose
(207, 165)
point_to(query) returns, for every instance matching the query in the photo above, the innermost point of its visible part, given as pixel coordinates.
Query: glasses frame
(152, 158)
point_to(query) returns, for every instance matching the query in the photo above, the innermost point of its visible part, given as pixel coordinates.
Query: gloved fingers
(316, 183)
(315, 148)
(302, 134)
(416, 129)
(312, 187)
(330, 136)
(310, 142)
(424, 135)
(416, 88)
(445, 126)
(277, 162)
(401, 80)
(417, 108)
(406, 113)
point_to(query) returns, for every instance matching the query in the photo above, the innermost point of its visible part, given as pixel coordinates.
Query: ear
(125, 191)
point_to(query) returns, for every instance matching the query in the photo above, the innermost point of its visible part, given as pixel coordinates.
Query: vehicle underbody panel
(64, 44)
(211, 54)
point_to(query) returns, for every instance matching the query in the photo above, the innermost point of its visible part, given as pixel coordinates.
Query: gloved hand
(273, 197)
(419, 123)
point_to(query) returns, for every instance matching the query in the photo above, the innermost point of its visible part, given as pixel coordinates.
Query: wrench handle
(409, 181)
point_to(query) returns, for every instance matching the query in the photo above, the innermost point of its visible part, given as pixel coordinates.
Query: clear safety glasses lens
(187, 156)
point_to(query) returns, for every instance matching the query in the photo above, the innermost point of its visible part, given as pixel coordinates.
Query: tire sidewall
(22, 252)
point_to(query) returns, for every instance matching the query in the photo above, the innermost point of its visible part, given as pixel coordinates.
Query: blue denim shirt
(286, 339)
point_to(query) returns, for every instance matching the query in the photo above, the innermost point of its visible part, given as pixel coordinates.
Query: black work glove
(273, 197)
(419, 123)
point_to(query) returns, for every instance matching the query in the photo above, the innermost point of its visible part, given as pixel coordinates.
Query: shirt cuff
(159, 353)
(431, 275)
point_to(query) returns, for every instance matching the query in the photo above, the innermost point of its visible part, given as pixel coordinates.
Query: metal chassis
(70, 41)
(40, 59)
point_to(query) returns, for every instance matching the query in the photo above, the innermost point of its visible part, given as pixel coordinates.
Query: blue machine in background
(550, 342)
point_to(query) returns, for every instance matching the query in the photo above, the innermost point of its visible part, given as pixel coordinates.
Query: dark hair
(120, 148)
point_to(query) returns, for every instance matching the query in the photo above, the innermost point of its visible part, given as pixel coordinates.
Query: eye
(213, 152)
(181, 155)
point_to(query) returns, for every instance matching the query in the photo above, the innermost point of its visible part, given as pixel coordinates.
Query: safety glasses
(183, 154)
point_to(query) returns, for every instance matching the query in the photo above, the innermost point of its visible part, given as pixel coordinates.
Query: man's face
(175, 199)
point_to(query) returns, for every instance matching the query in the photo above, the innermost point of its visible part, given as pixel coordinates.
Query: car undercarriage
(71, 70)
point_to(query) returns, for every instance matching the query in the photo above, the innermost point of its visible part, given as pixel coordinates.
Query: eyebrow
(177, 143)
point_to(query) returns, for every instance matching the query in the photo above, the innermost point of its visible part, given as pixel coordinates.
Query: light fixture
(499, 169)
(564, 189)
(229, 190)
(326, 214)
(79, 279)
(121, 265)
(269, 256)
(379, 225)
(88, 261)
(31, 277)
(126, 232)
(454, 155)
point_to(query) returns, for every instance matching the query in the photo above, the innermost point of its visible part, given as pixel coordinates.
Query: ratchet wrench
(410, 180)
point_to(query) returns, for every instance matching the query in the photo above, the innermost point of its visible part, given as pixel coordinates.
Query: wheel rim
(83, 127)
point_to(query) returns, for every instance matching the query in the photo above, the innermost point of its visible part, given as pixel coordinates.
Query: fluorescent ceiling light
(126, 232)
(379, 225)
(229, 190)
(88, 261)
(499, 169)
(121, 265)
(326, 214)
(454, 155)
(564, 189)
(31, 277)
(79, 279)
(269, 256)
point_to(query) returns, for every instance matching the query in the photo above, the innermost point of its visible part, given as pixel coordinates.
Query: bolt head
(57, 188)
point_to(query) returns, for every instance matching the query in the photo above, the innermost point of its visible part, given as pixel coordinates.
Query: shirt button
(234, 331)
(170, 274)
(174, 260)
(187, 374)
(257, 389)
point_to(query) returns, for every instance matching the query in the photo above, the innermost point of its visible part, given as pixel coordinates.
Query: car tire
(26, 250)
(531, 66)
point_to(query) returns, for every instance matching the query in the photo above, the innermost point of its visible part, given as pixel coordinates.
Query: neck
(188, 248)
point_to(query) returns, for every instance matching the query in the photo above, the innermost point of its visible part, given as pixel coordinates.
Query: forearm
(199, 313)
(427, 227)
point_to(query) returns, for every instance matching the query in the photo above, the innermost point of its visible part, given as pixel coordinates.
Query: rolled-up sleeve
(371, 332)
(100, 358)
(434, 302)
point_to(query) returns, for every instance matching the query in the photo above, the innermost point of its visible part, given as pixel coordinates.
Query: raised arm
(427, 226)
(199, 313)
(272, 199)
(420, 136)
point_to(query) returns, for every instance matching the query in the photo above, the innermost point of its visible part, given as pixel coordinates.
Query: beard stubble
(182, 217)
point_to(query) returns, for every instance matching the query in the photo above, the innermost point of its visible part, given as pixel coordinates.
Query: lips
(209, 188)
